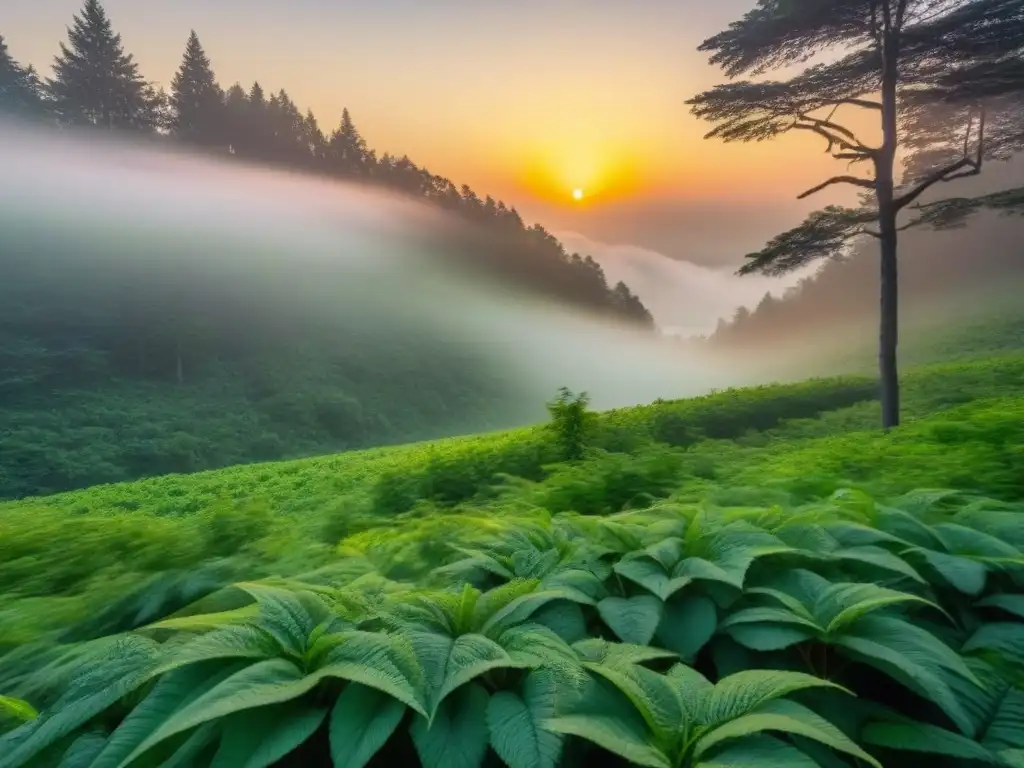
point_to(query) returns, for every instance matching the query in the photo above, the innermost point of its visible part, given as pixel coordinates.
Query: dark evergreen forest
(122, 378)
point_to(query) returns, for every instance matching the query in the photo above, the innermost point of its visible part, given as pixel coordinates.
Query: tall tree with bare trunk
(943, 83)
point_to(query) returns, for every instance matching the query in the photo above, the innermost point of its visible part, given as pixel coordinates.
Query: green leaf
(611, 734)
(451, 663)
(260, 738)
(362, 721)
(1005, 638)
(767, 637)
(172, 692)
(1010, 603)
(786, 717)
(203, 622)
(742, 692)
(198, 740)
(634, 619)
(266, 682)
(912, 657)
(650, 694)
(693, 691)
(964, 575)
(878, 558)
(17, 709)
(651, 575)
(565, 619)
(929, 739)
(842, 604)
(458, 736)
(687, 624)
(598, 650)
(83, 750)
(126, 665)
(515, 723)
(758, 752)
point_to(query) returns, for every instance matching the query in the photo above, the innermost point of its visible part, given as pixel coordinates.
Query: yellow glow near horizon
(577, 194)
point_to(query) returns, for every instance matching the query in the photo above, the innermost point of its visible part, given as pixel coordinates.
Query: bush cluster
(845, 632)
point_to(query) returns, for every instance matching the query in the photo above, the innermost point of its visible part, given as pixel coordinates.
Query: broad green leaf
(451, 663)
(1010, 603)
(172, 692)
(910, 656)
(597, 650)
(522, 608)
(515, 723)
(930, 739)
(362, 721)
(652, 576)
(964, 575)
(83, 750)
(379, 661)
(1005, 638)
(192, 746)
(693, 691)
(203, 622)
(767, 637)
(649, 692)
(786, 717)
(758, 752)
(565, 619)
(458, 736)
(611, 734)
(259, 738)
(742, 692)
(634, 619)
(771, 615)
(125, 666)
(843, 604)
(687, 624)
(17, 709)
(266, 682)
(878, 558)
(533, 645)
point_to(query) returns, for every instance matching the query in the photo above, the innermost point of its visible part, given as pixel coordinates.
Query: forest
(751, 578)
(131, 376)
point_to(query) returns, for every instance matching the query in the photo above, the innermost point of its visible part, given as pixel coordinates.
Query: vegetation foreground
(744, 579)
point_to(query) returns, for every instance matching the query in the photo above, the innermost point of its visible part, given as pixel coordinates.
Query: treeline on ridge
(129, 374)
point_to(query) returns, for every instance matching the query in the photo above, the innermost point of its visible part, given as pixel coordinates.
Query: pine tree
(19, 87)
(95, 82)
(197, 102)
(347, 148)
(941, 79)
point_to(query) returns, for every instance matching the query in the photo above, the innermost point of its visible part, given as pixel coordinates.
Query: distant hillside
(945, 277)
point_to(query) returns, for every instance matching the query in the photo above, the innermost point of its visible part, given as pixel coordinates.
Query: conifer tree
(19, 86)
(197, 103)
(95, 82)
(347, 148)
(934, 75)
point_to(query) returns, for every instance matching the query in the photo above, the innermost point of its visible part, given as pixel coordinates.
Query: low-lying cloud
(685, 298)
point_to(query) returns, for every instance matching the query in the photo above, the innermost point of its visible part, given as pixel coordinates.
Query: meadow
(753, 577)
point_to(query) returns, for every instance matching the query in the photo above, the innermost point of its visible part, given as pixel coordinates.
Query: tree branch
(962, 168)
(856, 181)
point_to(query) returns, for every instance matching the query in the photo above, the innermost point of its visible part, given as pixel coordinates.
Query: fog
(93, 207)
(686, 298)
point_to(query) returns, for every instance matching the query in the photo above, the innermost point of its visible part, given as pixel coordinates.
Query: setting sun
(577, 194)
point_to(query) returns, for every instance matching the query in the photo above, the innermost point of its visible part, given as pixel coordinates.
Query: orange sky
(525, 101)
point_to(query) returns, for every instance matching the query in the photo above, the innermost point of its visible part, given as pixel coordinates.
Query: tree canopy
(940, 75)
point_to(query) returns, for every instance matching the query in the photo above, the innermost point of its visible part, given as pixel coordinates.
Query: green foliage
(674, 635)
(570, 421)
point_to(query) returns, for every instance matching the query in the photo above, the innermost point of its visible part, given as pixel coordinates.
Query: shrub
(571, 422)
(680, 635)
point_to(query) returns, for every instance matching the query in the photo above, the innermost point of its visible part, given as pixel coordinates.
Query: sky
(524, 100)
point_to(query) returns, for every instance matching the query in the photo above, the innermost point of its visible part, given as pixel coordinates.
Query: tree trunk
(888, 330)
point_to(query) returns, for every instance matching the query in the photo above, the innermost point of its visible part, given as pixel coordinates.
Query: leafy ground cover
(844, 632)
(753, 577)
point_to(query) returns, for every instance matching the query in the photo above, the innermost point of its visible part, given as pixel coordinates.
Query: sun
(577, 194)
